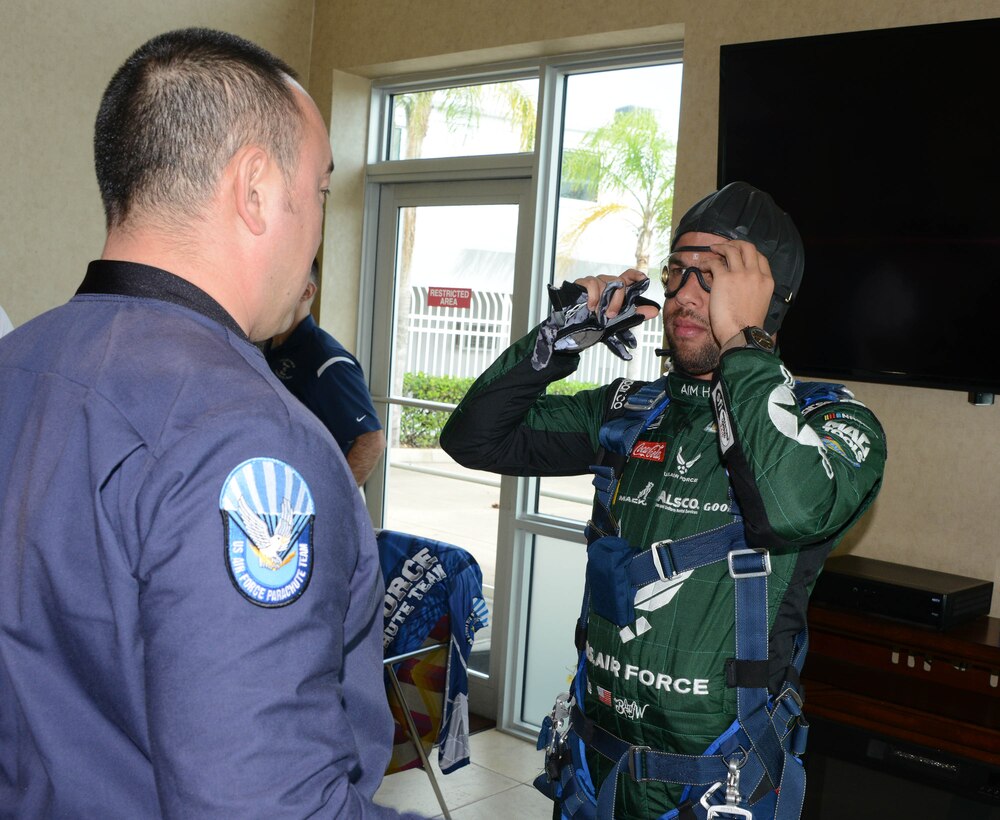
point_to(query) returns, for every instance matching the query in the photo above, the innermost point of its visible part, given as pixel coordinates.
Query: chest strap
(665, 559)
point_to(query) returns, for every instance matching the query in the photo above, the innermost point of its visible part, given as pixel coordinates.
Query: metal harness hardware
(760, 555)
(658, 561)
(732, 808)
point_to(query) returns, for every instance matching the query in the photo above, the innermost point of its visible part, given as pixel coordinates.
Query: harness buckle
(705, 797)
(789, 693)
(633, 756)
(560, 717)
(658, 561)
(728, 813)
(731, 809)
(751, 573)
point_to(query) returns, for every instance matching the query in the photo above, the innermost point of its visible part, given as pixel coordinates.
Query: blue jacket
(190, 593)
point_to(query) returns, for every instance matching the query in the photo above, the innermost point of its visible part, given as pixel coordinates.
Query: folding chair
(404, 709)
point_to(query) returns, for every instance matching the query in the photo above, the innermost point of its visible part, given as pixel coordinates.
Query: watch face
(759, 338)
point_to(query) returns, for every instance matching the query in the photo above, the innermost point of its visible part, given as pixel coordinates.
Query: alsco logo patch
(650, 450)
(268, 512)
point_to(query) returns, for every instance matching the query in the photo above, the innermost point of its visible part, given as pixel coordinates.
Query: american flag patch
(604, 695)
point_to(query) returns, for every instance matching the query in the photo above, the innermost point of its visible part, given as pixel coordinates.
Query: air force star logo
(267, 513)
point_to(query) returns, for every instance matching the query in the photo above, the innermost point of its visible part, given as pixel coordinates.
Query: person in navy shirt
(319, 372)
(190, 592)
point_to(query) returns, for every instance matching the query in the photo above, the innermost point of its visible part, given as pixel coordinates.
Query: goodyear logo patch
(268, 513)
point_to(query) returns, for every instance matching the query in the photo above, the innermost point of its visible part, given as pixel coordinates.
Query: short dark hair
(177, 111)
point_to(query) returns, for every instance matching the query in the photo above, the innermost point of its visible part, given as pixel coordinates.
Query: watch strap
(745, 340)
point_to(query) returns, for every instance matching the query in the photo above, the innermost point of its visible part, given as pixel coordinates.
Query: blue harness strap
(618, 437)
(769, 733)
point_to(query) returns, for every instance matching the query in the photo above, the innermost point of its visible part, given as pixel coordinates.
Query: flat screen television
(882, 146)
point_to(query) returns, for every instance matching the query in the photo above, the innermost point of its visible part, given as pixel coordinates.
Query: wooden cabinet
(937, 690)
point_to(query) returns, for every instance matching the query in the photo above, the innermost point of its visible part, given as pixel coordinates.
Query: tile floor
(496, 785)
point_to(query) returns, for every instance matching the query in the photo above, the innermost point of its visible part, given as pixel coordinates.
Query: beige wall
(939, 507)
(56, 56)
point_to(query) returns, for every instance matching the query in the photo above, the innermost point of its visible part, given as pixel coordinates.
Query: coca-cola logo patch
(650, 450)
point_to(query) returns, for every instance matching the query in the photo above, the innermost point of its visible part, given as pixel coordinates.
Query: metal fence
(447, 341)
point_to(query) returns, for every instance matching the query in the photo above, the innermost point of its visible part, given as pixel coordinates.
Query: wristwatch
(753, 338)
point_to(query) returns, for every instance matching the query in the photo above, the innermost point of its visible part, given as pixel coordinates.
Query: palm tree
(632, 160)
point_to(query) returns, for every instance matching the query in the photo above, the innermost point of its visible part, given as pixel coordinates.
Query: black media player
(911, 594)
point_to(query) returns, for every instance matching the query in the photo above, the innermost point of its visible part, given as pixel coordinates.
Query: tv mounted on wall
(882, 147)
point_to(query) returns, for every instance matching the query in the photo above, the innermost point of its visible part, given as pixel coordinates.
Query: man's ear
(249, 174)
(309, 292)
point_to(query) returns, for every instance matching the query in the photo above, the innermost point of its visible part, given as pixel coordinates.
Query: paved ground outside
(428, 494)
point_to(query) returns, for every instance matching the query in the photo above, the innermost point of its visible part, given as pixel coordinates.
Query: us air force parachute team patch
(267, 513)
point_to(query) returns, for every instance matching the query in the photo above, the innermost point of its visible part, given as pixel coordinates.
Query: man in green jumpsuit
(733, 429)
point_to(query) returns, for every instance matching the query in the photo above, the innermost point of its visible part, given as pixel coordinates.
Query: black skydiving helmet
(740, 211)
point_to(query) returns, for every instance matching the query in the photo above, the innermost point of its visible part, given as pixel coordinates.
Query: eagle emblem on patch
(268, 513)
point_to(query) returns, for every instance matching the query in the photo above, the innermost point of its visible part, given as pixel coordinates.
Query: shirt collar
(687, 390)
(146, 282)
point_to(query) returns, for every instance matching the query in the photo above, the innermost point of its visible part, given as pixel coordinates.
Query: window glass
(558, 570)
(468, 120)
(455, 276)
(616, 194)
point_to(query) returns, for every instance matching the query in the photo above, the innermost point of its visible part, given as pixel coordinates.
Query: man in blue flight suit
(319, 372)
(190, 595)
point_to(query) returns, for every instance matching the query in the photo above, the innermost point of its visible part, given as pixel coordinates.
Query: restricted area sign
(449, 297)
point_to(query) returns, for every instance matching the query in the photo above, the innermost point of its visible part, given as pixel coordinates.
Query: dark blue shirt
(320, 373)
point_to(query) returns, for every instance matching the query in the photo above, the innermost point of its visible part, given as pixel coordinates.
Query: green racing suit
(800, 480)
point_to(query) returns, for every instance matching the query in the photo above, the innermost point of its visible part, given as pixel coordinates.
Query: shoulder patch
(267, 513)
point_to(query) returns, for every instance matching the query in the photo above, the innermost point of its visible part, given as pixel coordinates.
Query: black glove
(573, 327)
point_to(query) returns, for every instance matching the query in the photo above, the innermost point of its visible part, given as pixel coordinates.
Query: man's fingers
(631, 276)
(594, 288)
(647, 312)
(595, 285)
(729, 256)
(615, 305)
(739, 255)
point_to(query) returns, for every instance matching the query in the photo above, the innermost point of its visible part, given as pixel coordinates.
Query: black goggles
(676, 279)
